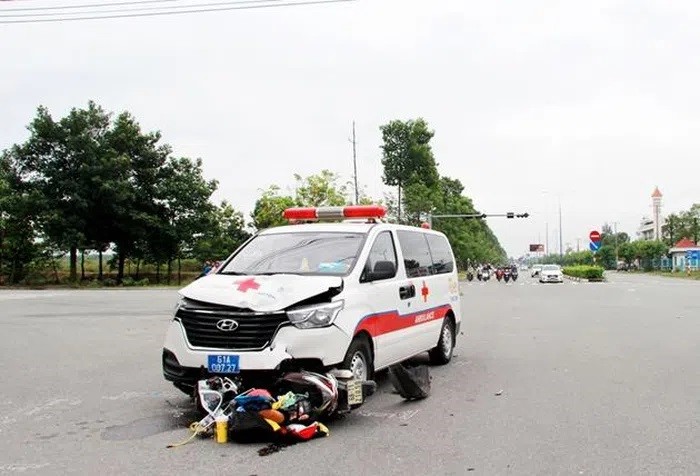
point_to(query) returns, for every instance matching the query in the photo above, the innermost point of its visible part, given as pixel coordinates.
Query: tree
(628, 252)
(19, 203)
(650, 250)
(605, 257)
(319, 190)
(225, 233)
(136, 207)
(407, 156)
(183, 216)
(409, 164)
(471, 239)
(685, 224)
(268, 209)
(59, 160)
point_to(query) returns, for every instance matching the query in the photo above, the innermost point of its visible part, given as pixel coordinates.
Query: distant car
(535, 271)
(622, 266)
(551, 273)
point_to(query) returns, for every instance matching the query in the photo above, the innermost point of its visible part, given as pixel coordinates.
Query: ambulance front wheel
(358, 359)
(442, 353)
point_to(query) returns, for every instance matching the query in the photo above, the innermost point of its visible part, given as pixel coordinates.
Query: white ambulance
(357, 294)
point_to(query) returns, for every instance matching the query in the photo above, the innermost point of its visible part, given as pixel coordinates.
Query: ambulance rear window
(313, 253)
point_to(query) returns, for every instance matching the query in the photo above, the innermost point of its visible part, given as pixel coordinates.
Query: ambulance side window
(443, 262)
(381, 257)
(416, 255)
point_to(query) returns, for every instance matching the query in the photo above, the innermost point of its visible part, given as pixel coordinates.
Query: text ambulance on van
(357, 294)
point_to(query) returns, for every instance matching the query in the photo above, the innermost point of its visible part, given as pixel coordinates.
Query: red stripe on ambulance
(391, 321)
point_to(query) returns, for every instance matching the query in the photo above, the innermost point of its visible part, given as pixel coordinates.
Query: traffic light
(523, 215)
(511, 215)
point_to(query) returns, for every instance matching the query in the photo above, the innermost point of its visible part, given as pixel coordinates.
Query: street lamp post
(561, 249)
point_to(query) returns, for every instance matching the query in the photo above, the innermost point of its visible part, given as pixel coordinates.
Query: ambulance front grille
(254, 331)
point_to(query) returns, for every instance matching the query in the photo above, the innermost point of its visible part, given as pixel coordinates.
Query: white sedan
(551, 273)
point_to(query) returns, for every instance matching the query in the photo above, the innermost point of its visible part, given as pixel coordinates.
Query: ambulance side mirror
(382, 270)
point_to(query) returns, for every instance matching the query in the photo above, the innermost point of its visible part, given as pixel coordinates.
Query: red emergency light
(334, 213)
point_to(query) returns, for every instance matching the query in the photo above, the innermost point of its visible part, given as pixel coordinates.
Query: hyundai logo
(227, 325)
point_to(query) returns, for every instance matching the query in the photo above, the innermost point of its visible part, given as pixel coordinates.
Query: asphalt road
(591, 379)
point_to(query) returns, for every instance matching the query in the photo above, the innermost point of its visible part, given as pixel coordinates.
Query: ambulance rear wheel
(442, 353)
(358, 359)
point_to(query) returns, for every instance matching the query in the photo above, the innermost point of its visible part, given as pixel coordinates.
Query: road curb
(578, 280)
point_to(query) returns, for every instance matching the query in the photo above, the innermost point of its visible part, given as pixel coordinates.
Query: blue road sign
(594, 245)
(692, 254)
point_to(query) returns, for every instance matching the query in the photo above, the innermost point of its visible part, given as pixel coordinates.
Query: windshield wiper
(233, 273)
(272, 273)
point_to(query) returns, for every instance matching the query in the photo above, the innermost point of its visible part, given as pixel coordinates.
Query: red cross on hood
(259, 293)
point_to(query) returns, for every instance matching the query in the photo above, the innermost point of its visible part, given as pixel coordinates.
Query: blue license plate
(224, 364)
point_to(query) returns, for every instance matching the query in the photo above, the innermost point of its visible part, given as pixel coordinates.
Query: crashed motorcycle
(292, 405)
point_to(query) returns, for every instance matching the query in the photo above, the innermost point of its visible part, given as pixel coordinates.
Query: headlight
(181, 303)
(315, 316)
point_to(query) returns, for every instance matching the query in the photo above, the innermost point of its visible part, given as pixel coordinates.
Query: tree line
(614, 247)
(96, 181)
(410, 165)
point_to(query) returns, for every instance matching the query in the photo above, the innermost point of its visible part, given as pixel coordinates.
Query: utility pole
(617, 256)
(546, 238)
(354, 164)
(578, 245)
(561, 249)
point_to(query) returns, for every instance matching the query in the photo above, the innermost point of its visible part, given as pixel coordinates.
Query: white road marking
(21, 468)
(403, 416)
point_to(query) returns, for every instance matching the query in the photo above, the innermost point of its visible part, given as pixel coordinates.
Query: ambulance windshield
(316, 253)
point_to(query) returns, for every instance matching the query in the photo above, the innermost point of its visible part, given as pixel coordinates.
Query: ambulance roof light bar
(334, 213)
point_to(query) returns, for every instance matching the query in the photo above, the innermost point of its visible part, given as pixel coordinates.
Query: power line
(179, 12)
(92, 5)
(141, 9)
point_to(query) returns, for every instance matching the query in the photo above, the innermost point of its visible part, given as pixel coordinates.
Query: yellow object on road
(222, 429)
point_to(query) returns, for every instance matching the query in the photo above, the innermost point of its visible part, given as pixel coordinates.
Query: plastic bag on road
(411, 383)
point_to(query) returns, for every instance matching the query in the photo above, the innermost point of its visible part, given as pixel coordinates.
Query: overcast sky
(591, 103)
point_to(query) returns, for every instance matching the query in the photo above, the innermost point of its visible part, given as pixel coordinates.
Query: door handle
(407, 292)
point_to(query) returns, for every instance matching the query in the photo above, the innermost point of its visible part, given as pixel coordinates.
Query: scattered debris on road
(289, 412)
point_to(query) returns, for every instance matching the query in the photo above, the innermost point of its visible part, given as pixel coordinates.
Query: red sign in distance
(594, 236)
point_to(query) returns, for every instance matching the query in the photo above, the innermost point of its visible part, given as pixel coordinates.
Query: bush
(109, 282)
(592, 273)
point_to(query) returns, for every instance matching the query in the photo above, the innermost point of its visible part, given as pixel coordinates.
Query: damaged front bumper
(313, 349)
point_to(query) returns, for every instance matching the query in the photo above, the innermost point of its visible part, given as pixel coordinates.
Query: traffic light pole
(477, 216)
